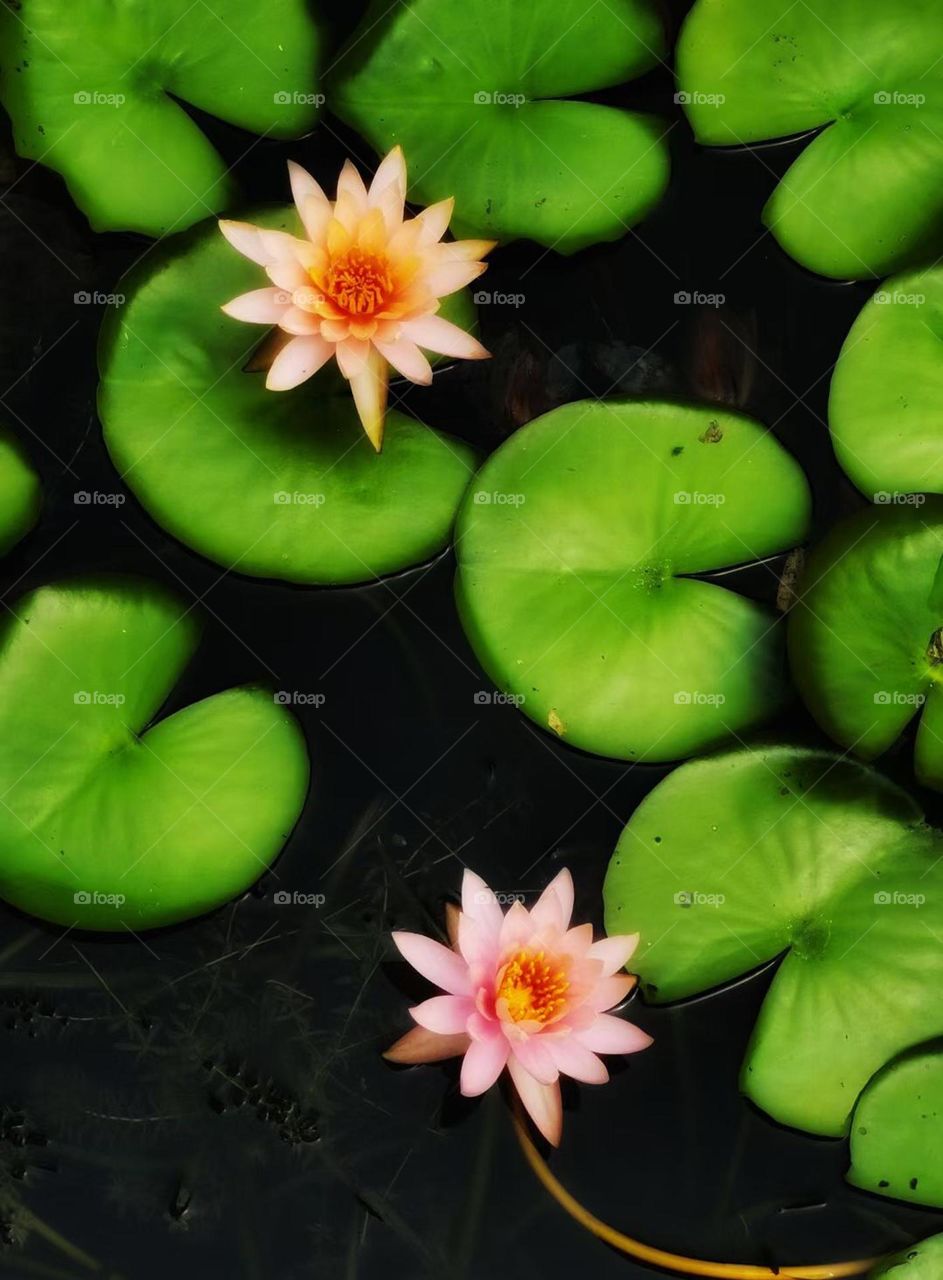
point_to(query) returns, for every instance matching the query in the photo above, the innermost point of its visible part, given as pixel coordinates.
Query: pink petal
(310, 201)
(407, 359)
(437, 963)
(260, 244)
(296, 361)
(420, 1045)
(391, 173)
(614, 952)
(288, 274)
(464, 250)
(446, 1015)
(535, 1057)
(434, 221)
(480, 905)
(612, 1035)
(260, 306)
(555, 905)
(483, 1063)
(611, 991)
(300, 322)
(449, 277)
(352, 356)
(541, 1102)
(436, 334)
(516, 928)
(574, 1059)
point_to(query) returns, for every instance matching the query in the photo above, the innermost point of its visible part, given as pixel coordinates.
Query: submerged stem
(659, 1257)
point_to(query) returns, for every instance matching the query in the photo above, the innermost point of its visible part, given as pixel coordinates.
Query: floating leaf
(897, 1132)
(20, 493)
(474, 93)
(576, 545)
(865, 638)
(281, 484)
(865, 197)
(112, 819)
(886, 403)
(93, 90)
(919, 1262)
(736, 859)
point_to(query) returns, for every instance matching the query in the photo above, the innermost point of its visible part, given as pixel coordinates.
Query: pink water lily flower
(524, 991)
(364, 286)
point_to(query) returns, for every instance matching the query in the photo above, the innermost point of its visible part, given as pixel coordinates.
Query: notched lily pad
(279, 484)
(866, 633)
(475, 93)
(578, 544)
(20, 492)
(920, 1262)
(886, 402)
(865, 197)
(112, 819)
(784, 851)
(93, 88)
(897, 1131)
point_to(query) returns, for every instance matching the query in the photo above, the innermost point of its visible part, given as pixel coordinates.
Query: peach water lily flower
(523, 991)
(364, 286)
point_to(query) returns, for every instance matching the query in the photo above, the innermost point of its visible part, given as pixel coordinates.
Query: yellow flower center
(359, 283)
(533, 987)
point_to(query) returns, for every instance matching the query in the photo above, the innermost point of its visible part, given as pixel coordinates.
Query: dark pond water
(210, 1100)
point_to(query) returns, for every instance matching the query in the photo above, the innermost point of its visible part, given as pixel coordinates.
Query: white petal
(407, 359)
(436, 334)
(296, 361)
(260, 306)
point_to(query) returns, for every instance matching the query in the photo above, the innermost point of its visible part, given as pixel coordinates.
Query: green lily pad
(20, 492)
(865, 197)
(897, 1132)
(886, 403)
(865, 639)
(919, 1262)
(576, 544)
(112, 818)
(474, 91)
(280, 484)
(737, 859)
(94, 91)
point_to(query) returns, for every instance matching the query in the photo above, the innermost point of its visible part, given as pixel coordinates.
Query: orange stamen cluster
(533, 987)
(358, 282)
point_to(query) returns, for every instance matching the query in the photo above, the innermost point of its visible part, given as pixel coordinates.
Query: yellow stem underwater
(659, 1257)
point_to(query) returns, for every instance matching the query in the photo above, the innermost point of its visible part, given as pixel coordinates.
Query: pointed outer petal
(574, 1059)
(516, 928)
(482, 1028)
(420, 1045)
(433, 222)
(542, 1102)
(247, 240)
(260, 306)
(436, 334)
(449, 277)
(371, 232)
(391, 172)
(351, 356)
(611, 991)
(613, 1035)
(576, 943)
(445, 1015)
(452, 916)
(369, 390)
(478, 946)
(463, 250)
(315, 215)
(307, 194)
(391, 203)
(480, 905)
(437, 963)
(614, 952)
(535, 1057)
(555, 904)
(301, 323)
(263, 357)
(288, 274)
(351, 185)
(297, 361)
(484, 1062)
(407, 359)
